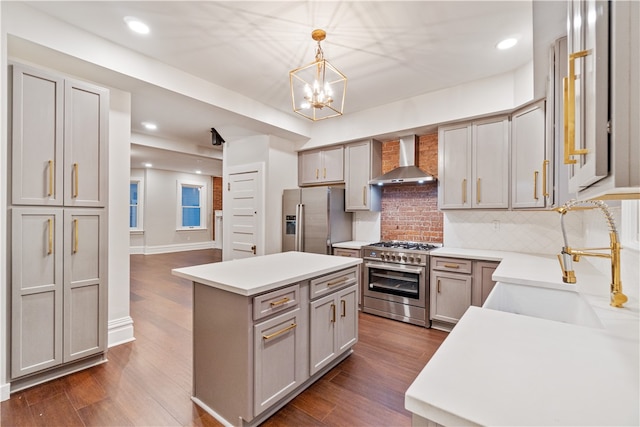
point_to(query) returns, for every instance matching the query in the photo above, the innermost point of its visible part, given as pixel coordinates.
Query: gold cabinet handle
(333, 313)
(438, 286)
(343, 303)
(545, 166)
(280, 302)
(75, 236)
(51, 177)
(478, 190)
(535, 185)
(50, 251)
(338, 281)
(280, 332)
(452, 265)
(364, 195)
(75, 180)
(464, 191)
(324, 173)
(570, 110)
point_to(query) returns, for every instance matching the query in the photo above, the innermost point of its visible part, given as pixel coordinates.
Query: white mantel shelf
(252, 276)
(498, 368)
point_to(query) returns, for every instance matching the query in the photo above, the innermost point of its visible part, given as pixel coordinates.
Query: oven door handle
(403, 269)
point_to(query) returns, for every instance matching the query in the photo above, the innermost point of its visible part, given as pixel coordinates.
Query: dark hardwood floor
(148, 382)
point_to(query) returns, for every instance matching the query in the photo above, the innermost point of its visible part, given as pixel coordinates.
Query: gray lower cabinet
(333, 326)
(280, 348)
(456, 284)
(58, 301)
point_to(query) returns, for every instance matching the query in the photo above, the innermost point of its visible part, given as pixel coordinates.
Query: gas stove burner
(417, 246)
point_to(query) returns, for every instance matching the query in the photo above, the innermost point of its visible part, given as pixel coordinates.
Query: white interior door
(244, 225)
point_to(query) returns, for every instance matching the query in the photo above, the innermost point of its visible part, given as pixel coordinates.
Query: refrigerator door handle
(299, 227)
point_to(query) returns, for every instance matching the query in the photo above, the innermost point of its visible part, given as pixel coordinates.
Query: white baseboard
(120, 331)
(164, 249)
(5, 392)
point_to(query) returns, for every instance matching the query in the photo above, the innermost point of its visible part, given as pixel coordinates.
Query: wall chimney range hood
(407, 171)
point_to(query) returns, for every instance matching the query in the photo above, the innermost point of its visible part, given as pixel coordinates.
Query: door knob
(253, 249)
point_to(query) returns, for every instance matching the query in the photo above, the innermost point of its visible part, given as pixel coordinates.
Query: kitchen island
(265, 328)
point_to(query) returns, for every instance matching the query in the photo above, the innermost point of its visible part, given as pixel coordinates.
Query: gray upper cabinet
(321, 166)
(530, 166)
(473, 164)
(37, 137)
(363, 162)
(85, 144)
(603, 151)
(59, 140)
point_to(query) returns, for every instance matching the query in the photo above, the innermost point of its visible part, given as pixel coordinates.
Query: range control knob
(404, 258)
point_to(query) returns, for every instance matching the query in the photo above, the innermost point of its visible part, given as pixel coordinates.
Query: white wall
(160, 212)
(120, 326)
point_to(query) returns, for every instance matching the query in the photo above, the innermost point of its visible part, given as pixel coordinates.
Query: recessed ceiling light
(149, 126)
(507, 43)
(136, 25)
(198, 172)
(147, 165)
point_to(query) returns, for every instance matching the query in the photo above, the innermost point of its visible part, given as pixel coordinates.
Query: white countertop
(251, 276)
(499, 368)
(354, 244)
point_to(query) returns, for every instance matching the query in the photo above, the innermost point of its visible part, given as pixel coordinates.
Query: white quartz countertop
(504, 369)
(353, 244)
(251, 276)
(499, 368)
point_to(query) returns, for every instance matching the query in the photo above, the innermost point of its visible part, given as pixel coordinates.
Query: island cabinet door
(280, 351)
(347, 325)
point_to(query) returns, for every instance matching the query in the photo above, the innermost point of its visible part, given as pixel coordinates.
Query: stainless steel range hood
(408, 171)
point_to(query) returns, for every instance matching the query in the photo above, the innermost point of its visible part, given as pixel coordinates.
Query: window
(135, 204)
(191, 208)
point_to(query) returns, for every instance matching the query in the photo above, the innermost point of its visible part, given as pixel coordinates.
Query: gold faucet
(568, 254)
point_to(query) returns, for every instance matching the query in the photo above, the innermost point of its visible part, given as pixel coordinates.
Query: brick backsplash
(410, 211)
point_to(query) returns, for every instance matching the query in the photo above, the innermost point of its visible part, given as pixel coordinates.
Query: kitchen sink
(545, 303)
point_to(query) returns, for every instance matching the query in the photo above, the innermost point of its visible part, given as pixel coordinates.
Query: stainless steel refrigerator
(314, 219)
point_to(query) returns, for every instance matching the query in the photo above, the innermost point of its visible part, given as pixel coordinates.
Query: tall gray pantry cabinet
(58, 230)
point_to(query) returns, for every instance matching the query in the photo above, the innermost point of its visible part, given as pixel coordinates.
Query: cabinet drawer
(451, 264)
(276, 301)
(352, 253)
(331, 282)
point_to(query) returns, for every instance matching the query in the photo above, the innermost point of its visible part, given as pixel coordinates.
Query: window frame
(203, 205)
(140, 205)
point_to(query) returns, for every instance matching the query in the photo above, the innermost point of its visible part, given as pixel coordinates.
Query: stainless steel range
(396, 278)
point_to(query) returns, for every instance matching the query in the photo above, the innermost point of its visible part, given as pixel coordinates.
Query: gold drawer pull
(570, 110)
(50, 251)
(280, 332)
(545, 166)
(75, 180)
(50, 178)
(478, 190)
(338, 281)
(452, 265)
(75, 236)
(280, 302)
(464, 191)
(535, 185)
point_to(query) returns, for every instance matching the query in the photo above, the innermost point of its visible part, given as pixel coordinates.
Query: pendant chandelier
(318, 89)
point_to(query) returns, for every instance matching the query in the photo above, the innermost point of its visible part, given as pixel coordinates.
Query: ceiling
(389, 50)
